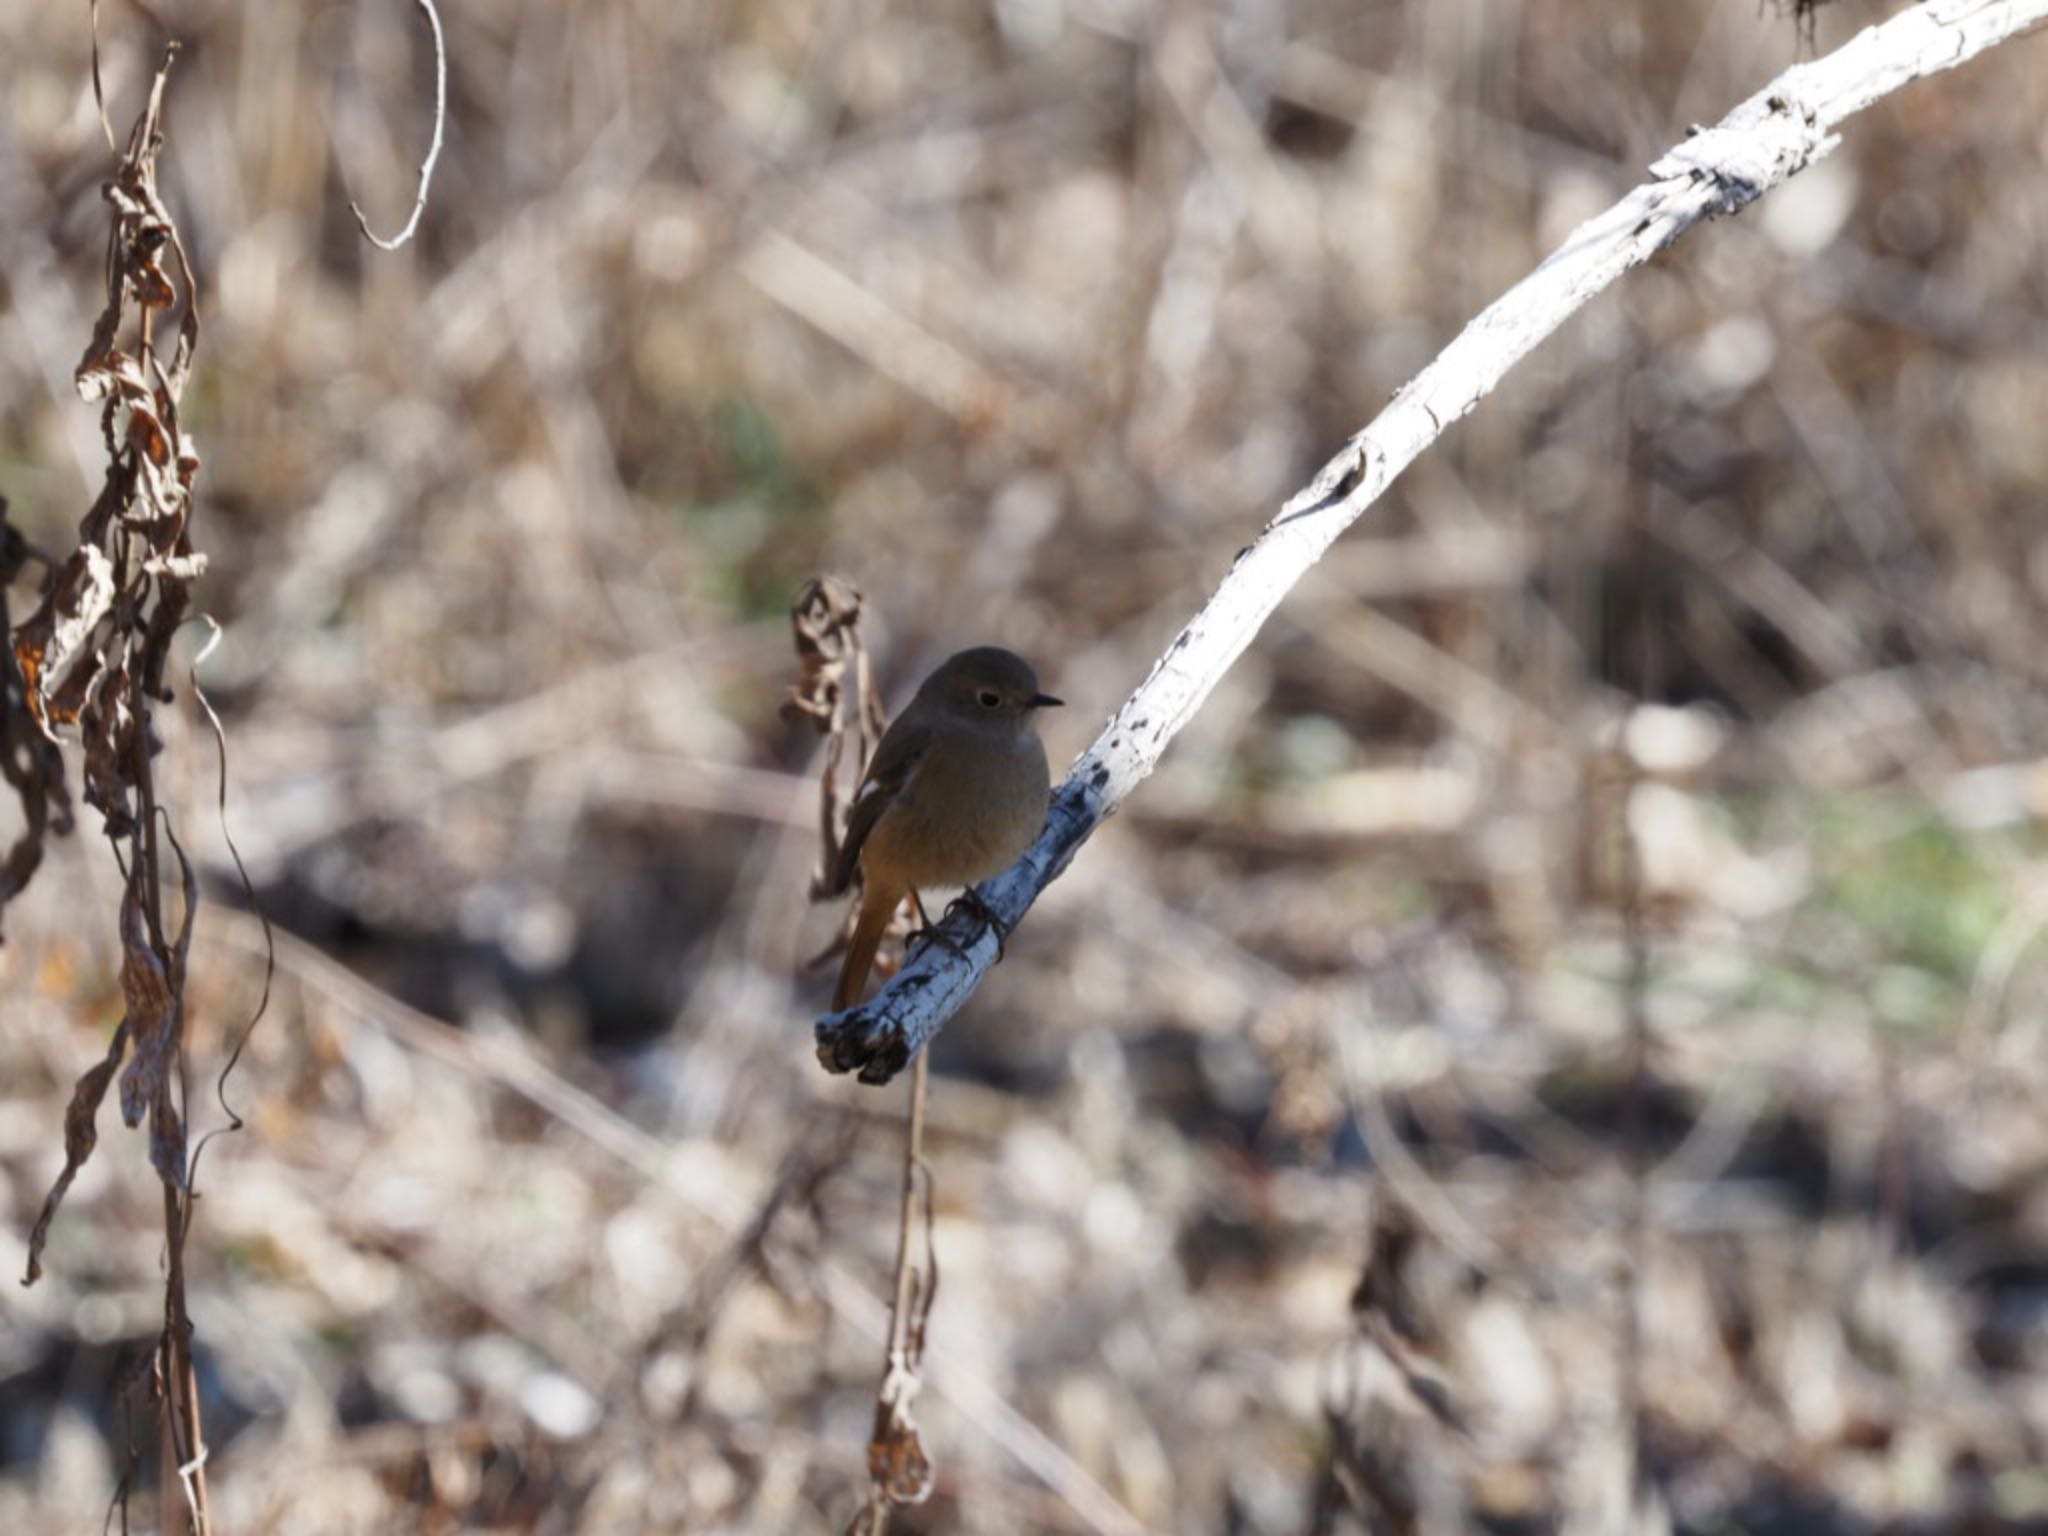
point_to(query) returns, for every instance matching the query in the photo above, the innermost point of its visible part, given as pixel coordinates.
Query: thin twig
(899, 1472)
(419, 197)
(220, 806)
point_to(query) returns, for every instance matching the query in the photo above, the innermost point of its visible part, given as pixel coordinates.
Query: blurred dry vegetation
(1283, 1169)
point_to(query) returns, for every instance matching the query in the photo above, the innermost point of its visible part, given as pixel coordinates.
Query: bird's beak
(1045, 701)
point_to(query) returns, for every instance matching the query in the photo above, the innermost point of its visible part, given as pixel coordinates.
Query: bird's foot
(928, 932)
(972, 902)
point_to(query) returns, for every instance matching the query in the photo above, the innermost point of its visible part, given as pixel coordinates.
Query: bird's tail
(877, 907)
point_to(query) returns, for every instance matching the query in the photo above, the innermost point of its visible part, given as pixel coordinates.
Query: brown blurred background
(1282, 1171)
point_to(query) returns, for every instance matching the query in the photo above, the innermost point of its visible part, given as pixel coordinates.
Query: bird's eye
(989, 698)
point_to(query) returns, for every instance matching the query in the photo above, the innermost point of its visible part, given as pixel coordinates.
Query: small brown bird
(956, 790)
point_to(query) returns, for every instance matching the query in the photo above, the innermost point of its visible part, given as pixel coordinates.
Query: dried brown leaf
(152, 1016)
(897, 1463)
(81, 1135)
(51, 640)
(99, 369)
(107, 724)
(108, 373)
(153, 985)
(824, 621)
(147, 437)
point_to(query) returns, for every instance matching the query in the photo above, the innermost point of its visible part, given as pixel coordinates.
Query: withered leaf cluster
(835, 690)
(93, 653)
(91, 657)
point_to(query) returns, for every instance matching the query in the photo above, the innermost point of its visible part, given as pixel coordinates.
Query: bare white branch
(1778, 132)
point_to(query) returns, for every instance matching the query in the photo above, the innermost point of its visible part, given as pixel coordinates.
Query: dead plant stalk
(91, 660)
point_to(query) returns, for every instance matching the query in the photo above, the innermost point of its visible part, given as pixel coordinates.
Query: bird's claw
(969, 901)
(972, 902)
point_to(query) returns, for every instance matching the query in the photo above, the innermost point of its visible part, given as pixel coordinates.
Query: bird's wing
(896, 758)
